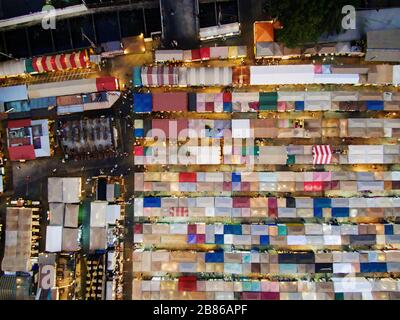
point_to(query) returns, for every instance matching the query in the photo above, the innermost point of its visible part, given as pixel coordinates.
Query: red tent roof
(22, 153)
(19, 123)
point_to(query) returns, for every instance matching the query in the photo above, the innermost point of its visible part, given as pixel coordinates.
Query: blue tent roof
(142, 102)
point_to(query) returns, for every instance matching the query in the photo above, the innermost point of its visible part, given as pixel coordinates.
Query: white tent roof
(67, 190)
(98, 212)
(317, 95)
(12, 68)
(396, 75)
(55, 189)
(168, 55)
(54, 238)
(70, 239)
(219, 30)
(344, 96)
(71, 215)
(56, 214)
(110, 260)
(110, 192)
(291, 96)
(365, 149)
(213, 76)
(71, 189)
(336, 78)
(297, 74)
(113, 213)
(284, 74)
(241, 128)
(98, 238)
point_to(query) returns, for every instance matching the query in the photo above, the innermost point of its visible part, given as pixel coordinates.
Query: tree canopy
(304, 21)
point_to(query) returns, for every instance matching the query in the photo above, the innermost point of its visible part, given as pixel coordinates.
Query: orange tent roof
(264, 31)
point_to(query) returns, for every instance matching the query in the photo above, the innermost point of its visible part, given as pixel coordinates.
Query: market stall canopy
(98, 212)
(18, 235)
(264, 31)
(70, 240)
(159, 76)
(56, 214)
(14, 93)
(12, 68)
(54, 235)
(60, 62)
(113, 213)
(71, 215)
(66, 190)
(98, 239)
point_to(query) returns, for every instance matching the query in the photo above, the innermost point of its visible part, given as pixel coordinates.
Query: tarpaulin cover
(137, 76)
(170, 101)
(268, 101)
(14, 93)
(187, 283)
(152, 202)
(375, 105)
(142, 102)
(187, 177)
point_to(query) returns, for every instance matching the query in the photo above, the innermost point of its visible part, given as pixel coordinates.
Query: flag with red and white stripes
(178, 212)
(60, 62)
(322, 154)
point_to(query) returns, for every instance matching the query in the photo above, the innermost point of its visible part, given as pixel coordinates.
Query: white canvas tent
(98, 212)
(54, 235)
(98, 239)
(55, 189)
(109, 290)
(110, 260)
(70, 241)
(56, 214)
(71, 215)
(213, 76)
(71, 189)
(297, 74)
(168, 55)
(113, 213)
(66, 190)
(12, 68)
(396, 75)
(284, 74)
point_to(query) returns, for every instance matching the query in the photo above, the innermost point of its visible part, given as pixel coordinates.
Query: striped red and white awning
(322, 154)
(60, 62)
(178, 212)
(159, 76)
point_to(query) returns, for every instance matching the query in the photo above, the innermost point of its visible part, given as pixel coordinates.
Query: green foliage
(304, 21)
